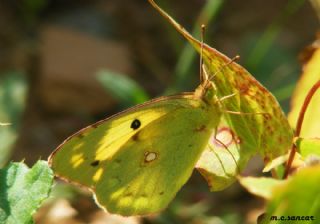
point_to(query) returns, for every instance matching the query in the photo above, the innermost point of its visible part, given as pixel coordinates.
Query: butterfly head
(207, 91)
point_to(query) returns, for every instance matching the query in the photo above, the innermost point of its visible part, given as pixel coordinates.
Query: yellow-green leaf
(260, 186)
(308, 146)
(261, 126)
(220, 162)
(299, 196)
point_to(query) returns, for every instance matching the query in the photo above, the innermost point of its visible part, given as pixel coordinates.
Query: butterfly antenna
(236, 58)
(202, 79)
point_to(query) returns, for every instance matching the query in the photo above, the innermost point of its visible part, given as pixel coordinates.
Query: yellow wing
(137, 160)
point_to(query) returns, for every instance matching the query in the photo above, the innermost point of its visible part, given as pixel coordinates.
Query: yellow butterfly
(137, 160)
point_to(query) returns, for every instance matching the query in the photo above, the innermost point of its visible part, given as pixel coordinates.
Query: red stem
(303, 110)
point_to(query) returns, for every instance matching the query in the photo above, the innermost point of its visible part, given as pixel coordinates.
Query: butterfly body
(137, 160)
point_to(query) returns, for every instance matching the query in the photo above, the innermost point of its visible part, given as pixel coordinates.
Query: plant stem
(303, 110)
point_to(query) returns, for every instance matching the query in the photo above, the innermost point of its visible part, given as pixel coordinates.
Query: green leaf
(260, 186)
(276, 162)
(22, 190)
(13, 88)
(260, 124)
(220, 163)
(311, 74)
(299, 196)
(122, 88)
(308, 146)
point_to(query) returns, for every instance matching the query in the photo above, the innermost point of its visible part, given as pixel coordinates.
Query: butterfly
(136, 161)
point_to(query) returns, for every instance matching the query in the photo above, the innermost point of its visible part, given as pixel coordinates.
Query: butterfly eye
(135, 124)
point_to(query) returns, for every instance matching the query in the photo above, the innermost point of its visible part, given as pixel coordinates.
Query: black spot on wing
(95, 163)
(135, 124)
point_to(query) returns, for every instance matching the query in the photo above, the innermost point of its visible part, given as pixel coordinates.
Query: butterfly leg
(238, 112)
(244, 113)
(228, 96)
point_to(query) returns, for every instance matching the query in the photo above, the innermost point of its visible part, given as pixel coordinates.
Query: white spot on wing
(150, 156)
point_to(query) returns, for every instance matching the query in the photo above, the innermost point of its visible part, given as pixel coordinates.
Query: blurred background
(67, 64)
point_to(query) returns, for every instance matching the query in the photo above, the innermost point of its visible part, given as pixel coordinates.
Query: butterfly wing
(136, 161)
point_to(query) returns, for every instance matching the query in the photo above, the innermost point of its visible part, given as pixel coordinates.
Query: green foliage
(22, 190)
(300, 195)
(254, 132)
(260, 186)
(278, 70)
(308, 146)
(13, 88)
(122, 88)
(275, 163)
(258, 113)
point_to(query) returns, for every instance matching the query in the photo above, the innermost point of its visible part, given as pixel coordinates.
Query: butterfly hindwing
(136, 161)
